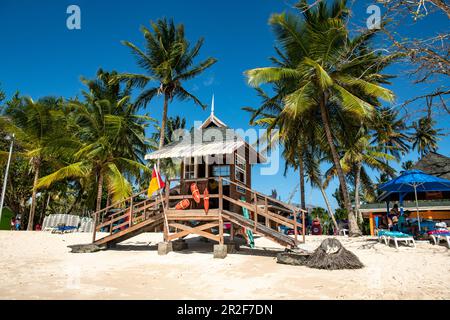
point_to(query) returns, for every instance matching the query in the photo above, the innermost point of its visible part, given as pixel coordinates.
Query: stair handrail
(291, 207)
(295, 210)
(119, 202)
(124, 211)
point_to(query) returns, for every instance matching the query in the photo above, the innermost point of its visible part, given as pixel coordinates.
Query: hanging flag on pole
(156, 183)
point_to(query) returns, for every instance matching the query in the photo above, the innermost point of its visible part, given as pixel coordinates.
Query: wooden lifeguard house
(214, 157)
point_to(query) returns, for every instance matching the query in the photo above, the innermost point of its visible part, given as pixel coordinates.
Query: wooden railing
(134, 209)
(265, 212)
(259, 205)
(131, 211)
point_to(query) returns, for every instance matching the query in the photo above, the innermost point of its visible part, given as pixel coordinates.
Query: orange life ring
(183, 204)
(206, 200)
(195, 192)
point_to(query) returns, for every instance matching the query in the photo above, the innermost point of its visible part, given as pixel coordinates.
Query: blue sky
(41, 57)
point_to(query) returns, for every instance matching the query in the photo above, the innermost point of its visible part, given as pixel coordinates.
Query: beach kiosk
(208, 152)
(213, 191)
(408, 189)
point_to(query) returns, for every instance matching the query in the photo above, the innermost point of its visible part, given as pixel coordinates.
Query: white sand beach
(39, 265)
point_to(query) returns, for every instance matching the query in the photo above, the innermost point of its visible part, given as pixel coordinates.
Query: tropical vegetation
(325, 92)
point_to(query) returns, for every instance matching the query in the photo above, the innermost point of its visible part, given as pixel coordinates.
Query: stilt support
(220, 251)
(164, 248)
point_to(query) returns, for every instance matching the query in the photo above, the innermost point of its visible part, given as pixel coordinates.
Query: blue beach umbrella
(415, 181)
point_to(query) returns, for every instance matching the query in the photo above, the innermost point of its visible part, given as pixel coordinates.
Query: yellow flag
(155, 184)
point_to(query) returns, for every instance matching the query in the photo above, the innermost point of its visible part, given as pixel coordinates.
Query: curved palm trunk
(330, 210)
(357, 186)
(99, 191)
(162, 132)
(37, 167)
(353, 225)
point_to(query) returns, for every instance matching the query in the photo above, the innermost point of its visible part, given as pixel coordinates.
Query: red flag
(156, 182)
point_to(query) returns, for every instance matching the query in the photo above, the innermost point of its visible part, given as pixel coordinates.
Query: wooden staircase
(261, 229)
(136, 216)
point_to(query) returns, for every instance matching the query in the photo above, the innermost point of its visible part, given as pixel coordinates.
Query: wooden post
(130, 222)
(303, 226)
(266, 210)
(231, 231)
(145, 210)
(255, 217)
(220, 210)
(165, 207)
(220, 196)
(167, 194)
(295, 225)
(95, 227)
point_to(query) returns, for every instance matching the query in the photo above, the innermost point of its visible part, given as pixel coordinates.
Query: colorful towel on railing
(439, 232)
(394, 234)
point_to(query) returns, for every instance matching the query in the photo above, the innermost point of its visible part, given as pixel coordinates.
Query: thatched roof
(435, 164)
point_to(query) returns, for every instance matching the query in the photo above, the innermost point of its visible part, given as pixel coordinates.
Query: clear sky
(39, 56)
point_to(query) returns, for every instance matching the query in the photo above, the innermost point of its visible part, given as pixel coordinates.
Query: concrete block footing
(164, 248)
(220, 251)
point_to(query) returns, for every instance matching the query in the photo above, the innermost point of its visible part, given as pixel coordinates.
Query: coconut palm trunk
(44, 208)
(330, 210)
(108, 198)
(37, 167)
(353, 225)
(99, 191)
(162, 134)
(357, 187)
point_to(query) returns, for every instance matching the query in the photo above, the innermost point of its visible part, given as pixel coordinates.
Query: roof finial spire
(212, 106)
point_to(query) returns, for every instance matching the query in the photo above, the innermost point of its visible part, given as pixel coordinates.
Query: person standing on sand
(17, 224)
(13, 223)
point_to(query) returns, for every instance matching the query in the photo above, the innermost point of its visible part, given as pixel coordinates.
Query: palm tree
(360, 153)
(388, 131)
(170, 168)
(425, 136)
(314, 157)
(332, 69)
(36, 125)
(407, 165)
(167, 59)
(108, 142)
(292, 132)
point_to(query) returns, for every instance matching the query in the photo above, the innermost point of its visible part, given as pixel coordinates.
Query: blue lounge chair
(396, 236)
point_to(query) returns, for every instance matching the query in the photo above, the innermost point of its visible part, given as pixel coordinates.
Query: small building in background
(433, 206)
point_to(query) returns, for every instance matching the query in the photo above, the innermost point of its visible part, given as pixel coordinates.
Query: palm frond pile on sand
(332, 255)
